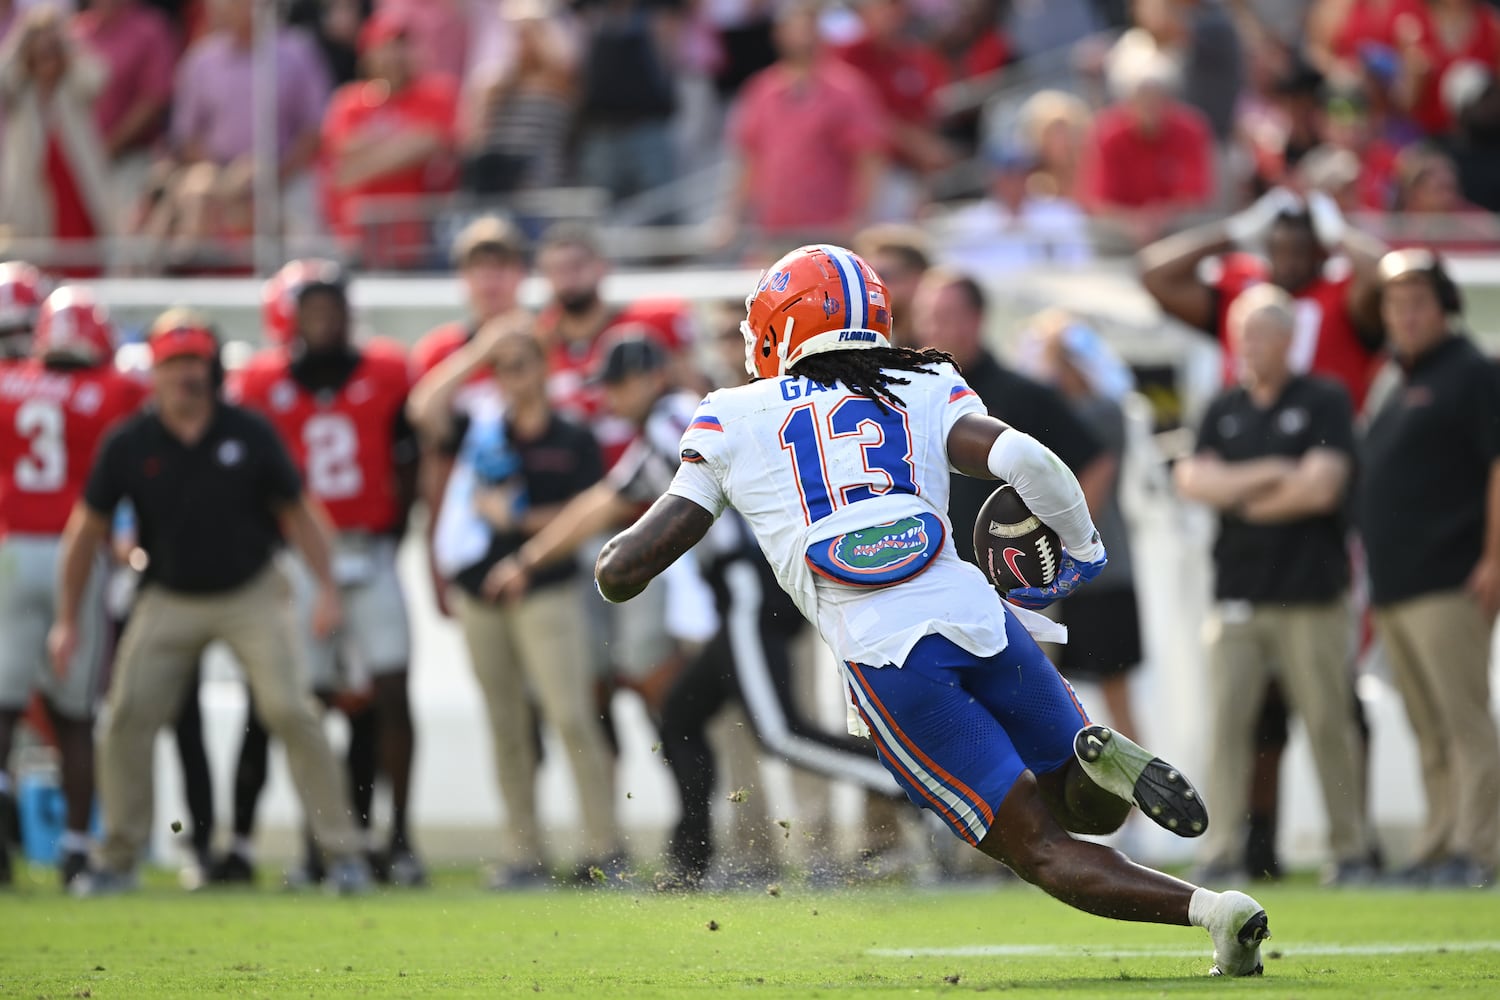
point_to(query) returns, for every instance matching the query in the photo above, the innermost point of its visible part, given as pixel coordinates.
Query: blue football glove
(1071, 575)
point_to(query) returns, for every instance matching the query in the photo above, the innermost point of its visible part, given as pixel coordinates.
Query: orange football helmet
(817, 298)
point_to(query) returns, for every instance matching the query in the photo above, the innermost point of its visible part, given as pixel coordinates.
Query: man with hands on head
(1302, 245)
(214, 492)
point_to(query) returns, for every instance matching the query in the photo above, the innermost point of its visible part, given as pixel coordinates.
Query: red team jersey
(436, 346)
(51, 424)
(1323, 342)
(568, 367)
(343, 440)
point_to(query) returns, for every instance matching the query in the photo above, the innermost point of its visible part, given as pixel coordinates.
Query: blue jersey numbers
(830, 472)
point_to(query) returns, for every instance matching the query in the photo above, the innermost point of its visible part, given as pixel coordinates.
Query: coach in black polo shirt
(213, 490)
(1429, 511)
(1275, 456)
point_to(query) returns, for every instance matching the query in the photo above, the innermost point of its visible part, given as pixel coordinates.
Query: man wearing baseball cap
(1428, 506)
(214, 492)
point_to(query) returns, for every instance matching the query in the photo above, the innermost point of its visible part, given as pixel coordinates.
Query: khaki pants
(1438, 646)
(1308, 648)
(158, 654)
(539, 644)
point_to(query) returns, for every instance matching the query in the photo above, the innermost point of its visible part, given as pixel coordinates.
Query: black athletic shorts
(1104, 634)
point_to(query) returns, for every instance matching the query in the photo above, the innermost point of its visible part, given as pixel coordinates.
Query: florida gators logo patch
(881, 554)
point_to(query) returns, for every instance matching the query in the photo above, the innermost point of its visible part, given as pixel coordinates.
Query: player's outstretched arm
(641, 552)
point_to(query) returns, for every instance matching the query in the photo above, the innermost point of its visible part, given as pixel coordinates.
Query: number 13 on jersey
(828, 477)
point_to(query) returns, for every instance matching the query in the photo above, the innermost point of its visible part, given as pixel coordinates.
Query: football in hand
(1012, 545)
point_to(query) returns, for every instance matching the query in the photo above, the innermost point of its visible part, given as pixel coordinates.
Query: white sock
(4, 782)
(75, 842)
(244, 847)
(1200, 906)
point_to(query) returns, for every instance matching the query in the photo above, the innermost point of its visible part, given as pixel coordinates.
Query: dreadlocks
(867, 371)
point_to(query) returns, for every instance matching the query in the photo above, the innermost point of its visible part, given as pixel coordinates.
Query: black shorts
(1104, 635)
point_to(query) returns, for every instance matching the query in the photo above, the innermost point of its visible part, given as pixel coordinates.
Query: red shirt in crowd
(986, 54)
(1481, 44)
(1367, 22)
(1126, 167)
(71, 219)
(364, 109)
(905, 77)
(1323, 339)
(801, 185)
(138, 45)
(343, 442)
(51, 424)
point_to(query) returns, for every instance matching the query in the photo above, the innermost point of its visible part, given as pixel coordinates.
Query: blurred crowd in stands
(1027, 131)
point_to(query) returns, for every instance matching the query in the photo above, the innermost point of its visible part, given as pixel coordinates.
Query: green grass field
(460, 941)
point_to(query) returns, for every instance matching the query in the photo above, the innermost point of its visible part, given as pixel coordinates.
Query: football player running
(54, 410)
(341, 409)
(843, 437)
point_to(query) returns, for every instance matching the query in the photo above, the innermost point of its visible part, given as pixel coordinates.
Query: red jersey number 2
(332, 446)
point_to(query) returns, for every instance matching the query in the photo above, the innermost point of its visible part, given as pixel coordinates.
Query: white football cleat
(1122, 768)
(1237, 925)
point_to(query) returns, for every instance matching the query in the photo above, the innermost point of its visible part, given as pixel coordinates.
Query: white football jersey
(836, 490)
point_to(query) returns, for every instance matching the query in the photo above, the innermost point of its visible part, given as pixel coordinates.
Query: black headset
(1427, 263)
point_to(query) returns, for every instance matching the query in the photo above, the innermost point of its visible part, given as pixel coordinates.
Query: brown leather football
(1012, 545)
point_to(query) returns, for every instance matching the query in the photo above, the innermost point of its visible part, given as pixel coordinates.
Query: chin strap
(782, 345)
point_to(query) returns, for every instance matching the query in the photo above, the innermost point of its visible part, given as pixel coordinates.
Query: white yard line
(1291, 950)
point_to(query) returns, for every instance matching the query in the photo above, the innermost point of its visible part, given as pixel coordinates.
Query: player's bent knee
(1103, 816)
